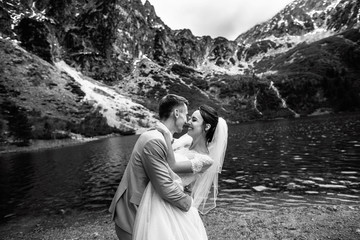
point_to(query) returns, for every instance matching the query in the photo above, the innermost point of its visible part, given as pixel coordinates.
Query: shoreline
(39, 145)
(312, 222)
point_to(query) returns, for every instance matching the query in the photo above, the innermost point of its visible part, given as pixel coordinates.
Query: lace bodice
(198, 160)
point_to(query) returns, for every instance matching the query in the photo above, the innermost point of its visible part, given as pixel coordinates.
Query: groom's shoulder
(151, 134)
(152, 137)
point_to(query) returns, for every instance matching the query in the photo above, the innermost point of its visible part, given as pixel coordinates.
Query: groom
(148, 163)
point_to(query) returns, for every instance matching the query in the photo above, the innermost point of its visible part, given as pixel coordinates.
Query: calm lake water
(268, 165)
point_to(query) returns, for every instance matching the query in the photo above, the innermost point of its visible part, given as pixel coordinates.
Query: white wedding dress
(157, 219)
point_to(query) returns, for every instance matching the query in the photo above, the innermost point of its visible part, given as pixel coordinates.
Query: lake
(269, 164)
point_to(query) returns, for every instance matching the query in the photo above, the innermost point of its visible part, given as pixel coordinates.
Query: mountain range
(94, 67)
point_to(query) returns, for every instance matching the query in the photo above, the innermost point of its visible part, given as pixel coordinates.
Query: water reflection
(314, 159)
(16, 177)
(58, 180)
(268, 164)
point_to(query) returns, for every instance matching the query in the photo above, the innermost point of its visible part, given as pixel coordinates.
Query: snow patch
(109, 101)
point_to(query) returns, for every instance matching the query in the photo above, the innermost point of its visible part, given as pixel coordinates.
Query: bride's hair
(211, 117)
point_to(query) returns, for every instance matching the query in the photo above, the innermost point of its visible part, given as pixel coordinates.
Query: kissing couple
(167, 181)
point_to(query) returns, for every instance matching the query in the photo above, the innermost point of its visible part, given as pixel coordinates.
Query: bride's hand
(161, 128)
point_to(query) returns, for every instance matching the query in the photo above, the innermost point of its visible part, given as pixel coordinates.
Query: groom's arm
(155, 165)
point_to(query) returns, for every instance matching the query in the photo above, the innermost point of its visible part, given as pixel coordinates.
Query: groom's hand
(187, 189)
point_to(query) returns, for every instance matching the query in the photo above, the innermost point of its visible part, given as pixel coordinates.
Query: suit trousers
(121, 234)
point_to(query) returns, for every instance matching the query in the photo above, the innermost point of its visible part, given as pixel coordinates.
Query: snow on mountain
(295, 21)
(300, 21)
(111, 103)
(126, 45)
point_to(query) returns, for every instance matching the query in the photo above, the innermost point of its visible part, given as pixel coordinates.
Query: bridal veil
(205, 189)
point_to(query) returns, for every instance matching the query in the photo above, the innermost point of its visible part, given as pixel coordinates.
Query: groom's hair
(168, 103)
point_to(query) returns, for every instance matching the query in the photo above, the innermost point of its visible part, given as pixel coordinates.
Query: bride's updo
(211, 117)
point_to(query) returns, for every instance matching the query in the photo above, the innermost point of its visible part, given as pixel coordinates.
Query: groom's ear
(176, 113)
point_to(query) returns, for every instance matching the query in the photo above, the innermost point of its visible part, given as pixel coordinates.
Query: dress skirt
(157, 219)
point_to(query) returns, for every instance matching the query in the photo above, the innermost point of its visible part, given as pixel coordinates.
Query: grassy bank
(312, 222)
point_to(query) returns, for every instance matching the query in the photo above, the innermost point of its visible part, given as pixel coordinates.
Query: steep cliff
(90, 59)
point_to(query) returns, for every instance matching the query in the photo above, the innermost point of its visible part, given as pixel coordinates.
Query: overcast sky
(225, 18)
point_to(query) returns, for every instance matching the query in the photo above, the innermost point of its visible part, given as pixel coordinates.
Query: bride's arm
(177, 167)
(181, 142)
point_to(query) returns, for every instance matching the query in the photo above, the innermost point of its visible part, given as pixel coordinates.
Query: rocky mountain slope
(67, 66)
(301, 21)
(41, 100)
(306, 19)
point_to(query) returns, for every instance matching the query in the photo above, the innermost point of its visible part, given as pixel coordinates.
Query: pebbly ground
(300, 223)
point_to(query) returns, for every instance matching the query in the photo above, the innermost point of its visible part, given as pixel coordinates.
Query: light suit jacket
(147, 163)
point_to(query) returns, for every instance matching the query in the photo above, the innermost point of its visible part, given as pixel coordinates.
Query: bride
(194, 159)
